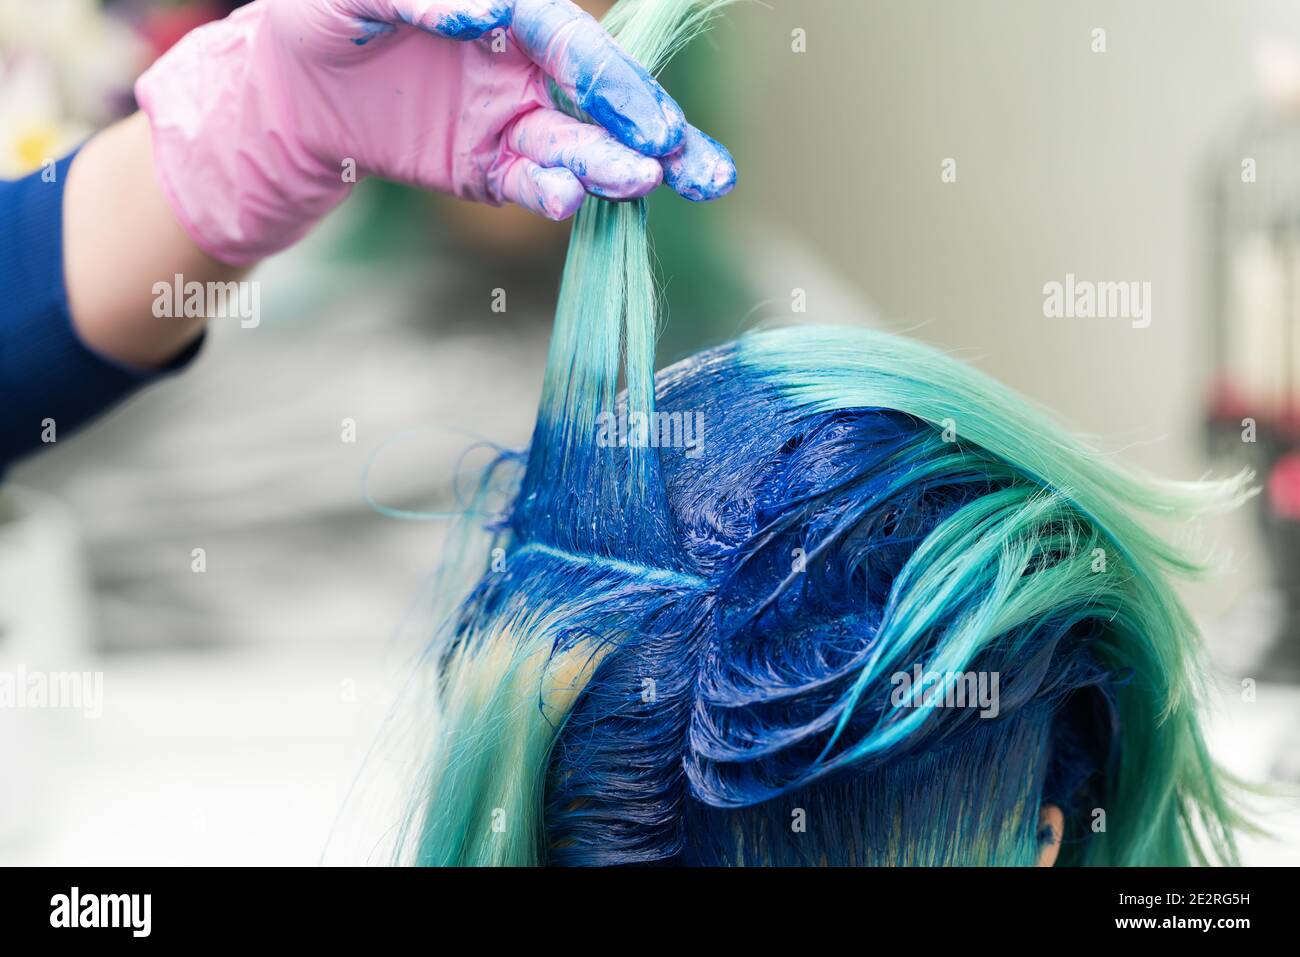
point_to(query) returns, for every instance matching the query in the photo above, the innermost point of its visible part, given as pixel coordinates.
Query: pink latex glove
(258, 119)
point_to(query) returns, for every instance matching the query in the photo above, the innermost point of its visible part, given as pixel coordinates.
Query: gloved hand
(259, 119)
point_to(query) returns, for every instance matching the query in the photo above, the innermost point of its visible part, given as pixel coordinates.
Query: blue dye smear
(627, 101)
(451, 26)
(603, 82)
(466, 26)
(371, 29)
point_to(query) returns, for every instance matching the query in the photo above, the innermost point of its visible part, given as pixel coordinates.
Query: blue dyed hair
(686, 637)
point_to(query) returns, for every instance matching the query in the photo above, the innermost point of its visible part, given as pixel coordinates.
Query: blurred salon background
(222, 546)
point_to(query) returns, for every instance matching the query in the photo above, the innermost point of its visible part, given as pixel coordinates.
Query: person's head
(883, 614)
(819, 596)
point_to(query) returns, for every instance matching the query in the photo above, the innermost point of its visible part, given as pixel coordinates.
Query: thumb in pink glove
(258, 118)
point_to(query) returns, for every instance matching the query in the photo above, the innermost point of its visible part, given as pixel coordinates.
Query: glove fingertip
(559, 193)
(702, 170)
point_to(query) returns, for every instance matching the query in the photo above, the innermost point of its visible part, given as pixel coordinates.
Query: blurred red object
(1284, 487)
(162, 27)
(1228, 402)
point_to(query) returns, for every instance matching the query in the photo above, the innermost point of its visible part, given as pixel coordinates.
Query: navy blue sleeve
(50, 382)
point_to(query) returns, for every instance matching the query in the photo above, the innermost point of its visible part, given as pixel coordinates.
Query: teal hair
(686, 635)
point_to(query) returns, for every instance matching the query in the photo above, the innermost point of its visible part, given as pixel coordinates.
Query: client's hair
(706, 653)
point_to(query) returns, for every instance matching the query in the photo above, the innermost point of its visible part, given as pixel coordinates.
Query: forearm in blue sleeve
(50, 382)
